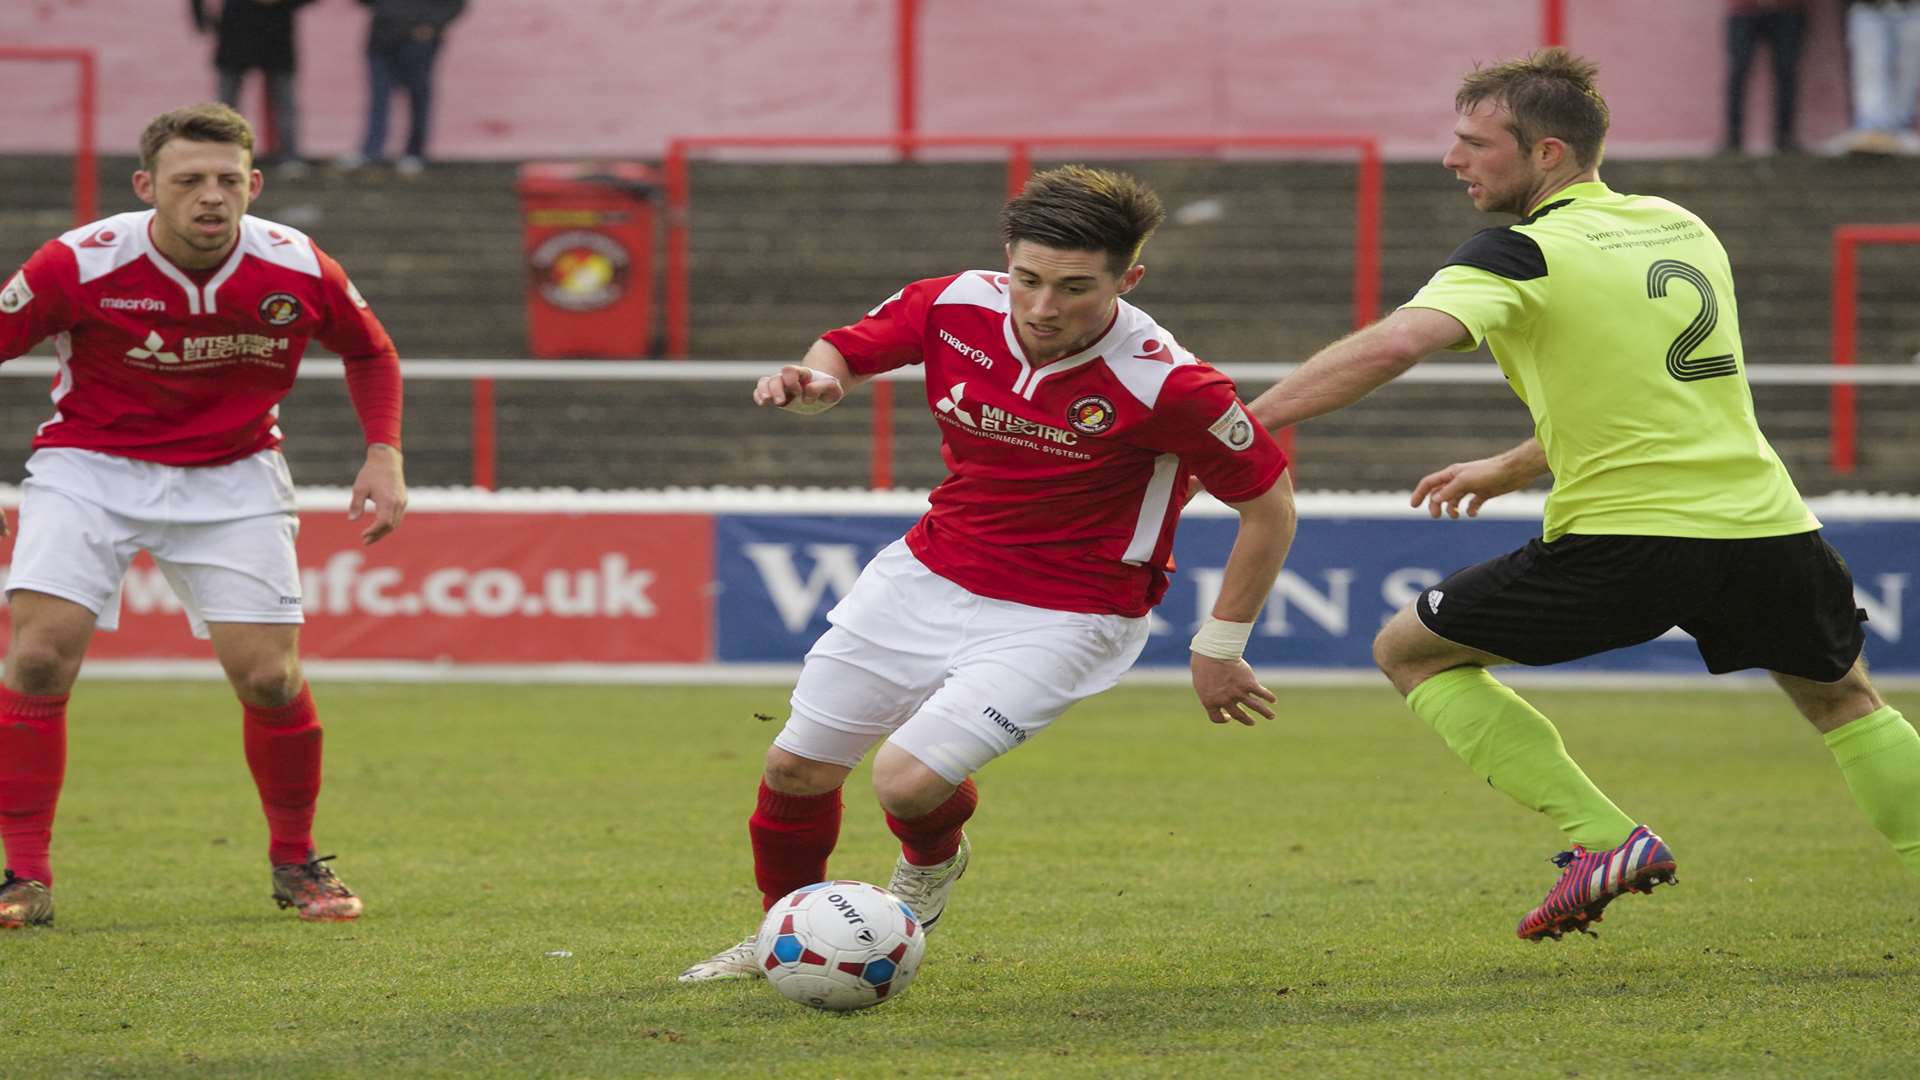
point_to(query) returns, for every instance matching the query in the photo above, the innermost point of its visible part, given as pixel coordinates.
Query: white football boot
(738, 962)
(925, 888)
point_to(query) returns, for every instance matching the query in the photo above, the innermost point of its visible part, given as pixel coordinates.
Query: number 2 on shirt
(1678, 366)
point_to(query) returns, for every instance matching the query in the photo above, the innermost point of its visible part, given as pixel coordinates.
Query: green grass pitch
(1329, 894)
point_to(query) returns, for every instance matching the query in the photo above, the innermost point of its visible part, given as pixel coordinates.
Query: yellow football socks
(1506, 740)
(1879, 755)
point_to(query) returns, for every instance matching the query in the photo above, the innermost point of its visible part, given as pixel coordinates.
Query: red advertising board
(471, 588)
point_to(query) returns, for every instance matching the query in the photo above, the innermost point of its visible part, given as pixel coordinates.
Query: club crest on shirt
(279, 309)
(16, 295)
(1234, 428)
(1090, 415)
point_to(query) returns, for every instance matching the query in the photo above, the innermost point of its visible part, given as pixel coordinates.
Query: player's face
(201, 190)
(1500, 176)
(1062, 300)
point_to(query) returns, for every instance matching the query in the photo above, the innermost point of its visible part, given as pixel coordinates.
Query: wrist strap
(1222, 640)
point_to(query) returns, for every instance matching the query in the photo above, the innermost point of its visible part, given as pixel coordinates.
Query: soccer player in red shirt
(1071, 425)
(178, 331)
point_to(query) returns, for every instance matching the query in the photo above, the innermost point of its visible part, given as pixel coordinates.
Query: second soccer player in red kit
(178, 330)
(1071, 425)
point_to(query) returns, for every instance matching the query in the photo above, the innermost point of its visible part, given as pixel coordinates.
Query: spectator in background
(403, 41)
(1883, 45)
(250, 34)
(1783, 24)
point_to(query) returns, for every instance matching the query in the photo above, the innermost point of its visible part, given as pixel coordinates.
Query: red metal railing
(1366, 229)
(85, 105)
(1553, 22)
(1847, 240)
(906, 68)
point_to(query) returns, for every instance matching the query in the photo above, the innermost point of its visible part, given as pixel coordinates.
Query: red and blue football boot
(1591, 879)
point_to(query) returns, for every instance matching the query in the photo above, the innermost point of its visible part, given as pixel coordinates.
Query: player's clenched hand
(799, 389)
(382, 483)
(1464, 486)
(1228, 689)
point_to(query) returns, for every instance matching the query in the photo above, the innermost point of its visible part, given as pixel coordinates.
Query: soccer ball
(840, 945)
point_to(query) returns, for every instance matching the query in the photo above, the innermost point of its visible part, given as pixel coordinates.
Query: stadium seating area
(1255, 265)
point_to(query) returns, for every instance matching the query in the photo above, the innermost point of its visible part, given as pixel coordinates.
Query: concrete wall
(532, 78)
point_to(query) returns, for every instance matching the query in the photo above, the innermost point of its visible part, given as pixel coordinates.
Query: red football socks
(33, 761)
(792, 837)
(934, 837)
(283, 750)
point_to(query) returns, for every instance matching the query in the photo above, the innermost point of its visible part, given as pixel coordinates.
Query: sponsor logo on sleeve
(353, 294)
(1234, 428)
(1090, 415)
(101, 239)
(279, 309)
(16, 295)
(1157, 351)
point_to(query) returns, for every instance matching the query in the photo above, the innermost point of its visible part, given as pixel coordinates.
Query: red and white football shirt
(188, 368)
(1066, 480)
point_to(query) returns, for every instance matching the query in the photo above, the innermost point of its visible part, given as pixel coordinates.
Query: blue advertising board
(778, 575)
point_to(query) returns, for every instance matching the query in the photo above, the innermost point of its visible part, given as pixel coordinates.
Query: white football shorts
(951, 677)
(222, 535)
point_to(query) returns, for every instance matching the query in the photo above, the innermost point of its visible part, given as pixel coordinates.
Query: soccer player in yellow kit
(1613, 318)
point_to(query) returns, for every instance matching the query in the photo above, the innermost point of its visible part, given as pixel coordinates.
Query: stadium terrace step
(1255, 264)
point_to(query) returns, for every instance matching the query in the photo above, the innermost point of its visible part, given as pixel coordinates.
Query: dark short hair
(208, 121)
(1549, 93)
(1077, 208)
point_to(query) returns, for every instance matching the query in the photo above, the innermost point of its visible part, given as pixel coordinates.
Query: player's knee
(41, 668)
(791, 774)
(1387, 655)
(270, 685)
(908, 789)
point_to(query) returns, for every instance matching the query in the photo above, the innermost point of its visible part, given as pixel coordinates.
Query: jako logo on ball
(840, 945)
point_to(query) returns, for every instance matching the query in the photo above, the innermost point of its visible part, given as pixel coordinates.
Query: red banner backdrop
(471, 588)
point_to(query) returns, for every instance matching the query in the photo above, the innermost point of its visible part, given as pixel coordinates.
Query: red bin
(589, 247)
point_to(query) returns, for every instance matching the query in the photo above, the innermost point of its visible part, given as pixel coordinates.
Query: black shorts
(1783, 603)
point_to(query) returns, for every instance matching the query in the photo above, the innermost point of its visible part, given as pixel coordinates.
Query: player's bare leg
(927, 812)
(283, 745)
(795, 825)
(1503, 738)
(1875, 747)
(49, 640)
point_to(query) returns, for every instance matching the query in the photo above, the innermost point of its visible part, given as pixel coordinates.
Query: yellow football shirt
(1613, 317)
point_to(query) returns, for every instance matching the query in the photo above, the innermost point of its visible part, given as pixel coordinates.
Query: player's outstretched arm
(1225, 684)
(818, 383)
(383, 483)
(1356, 365)
(1467, 485)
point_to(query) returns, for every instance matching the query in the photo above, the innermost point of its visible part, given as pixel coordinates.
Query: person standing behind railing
(403, 41)
(1783, 24)
(1883, 45)
(259, 34)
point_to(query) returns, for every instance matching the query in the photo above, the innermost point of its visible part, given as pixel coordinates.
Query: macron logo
(978, 356)
(133, 303)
